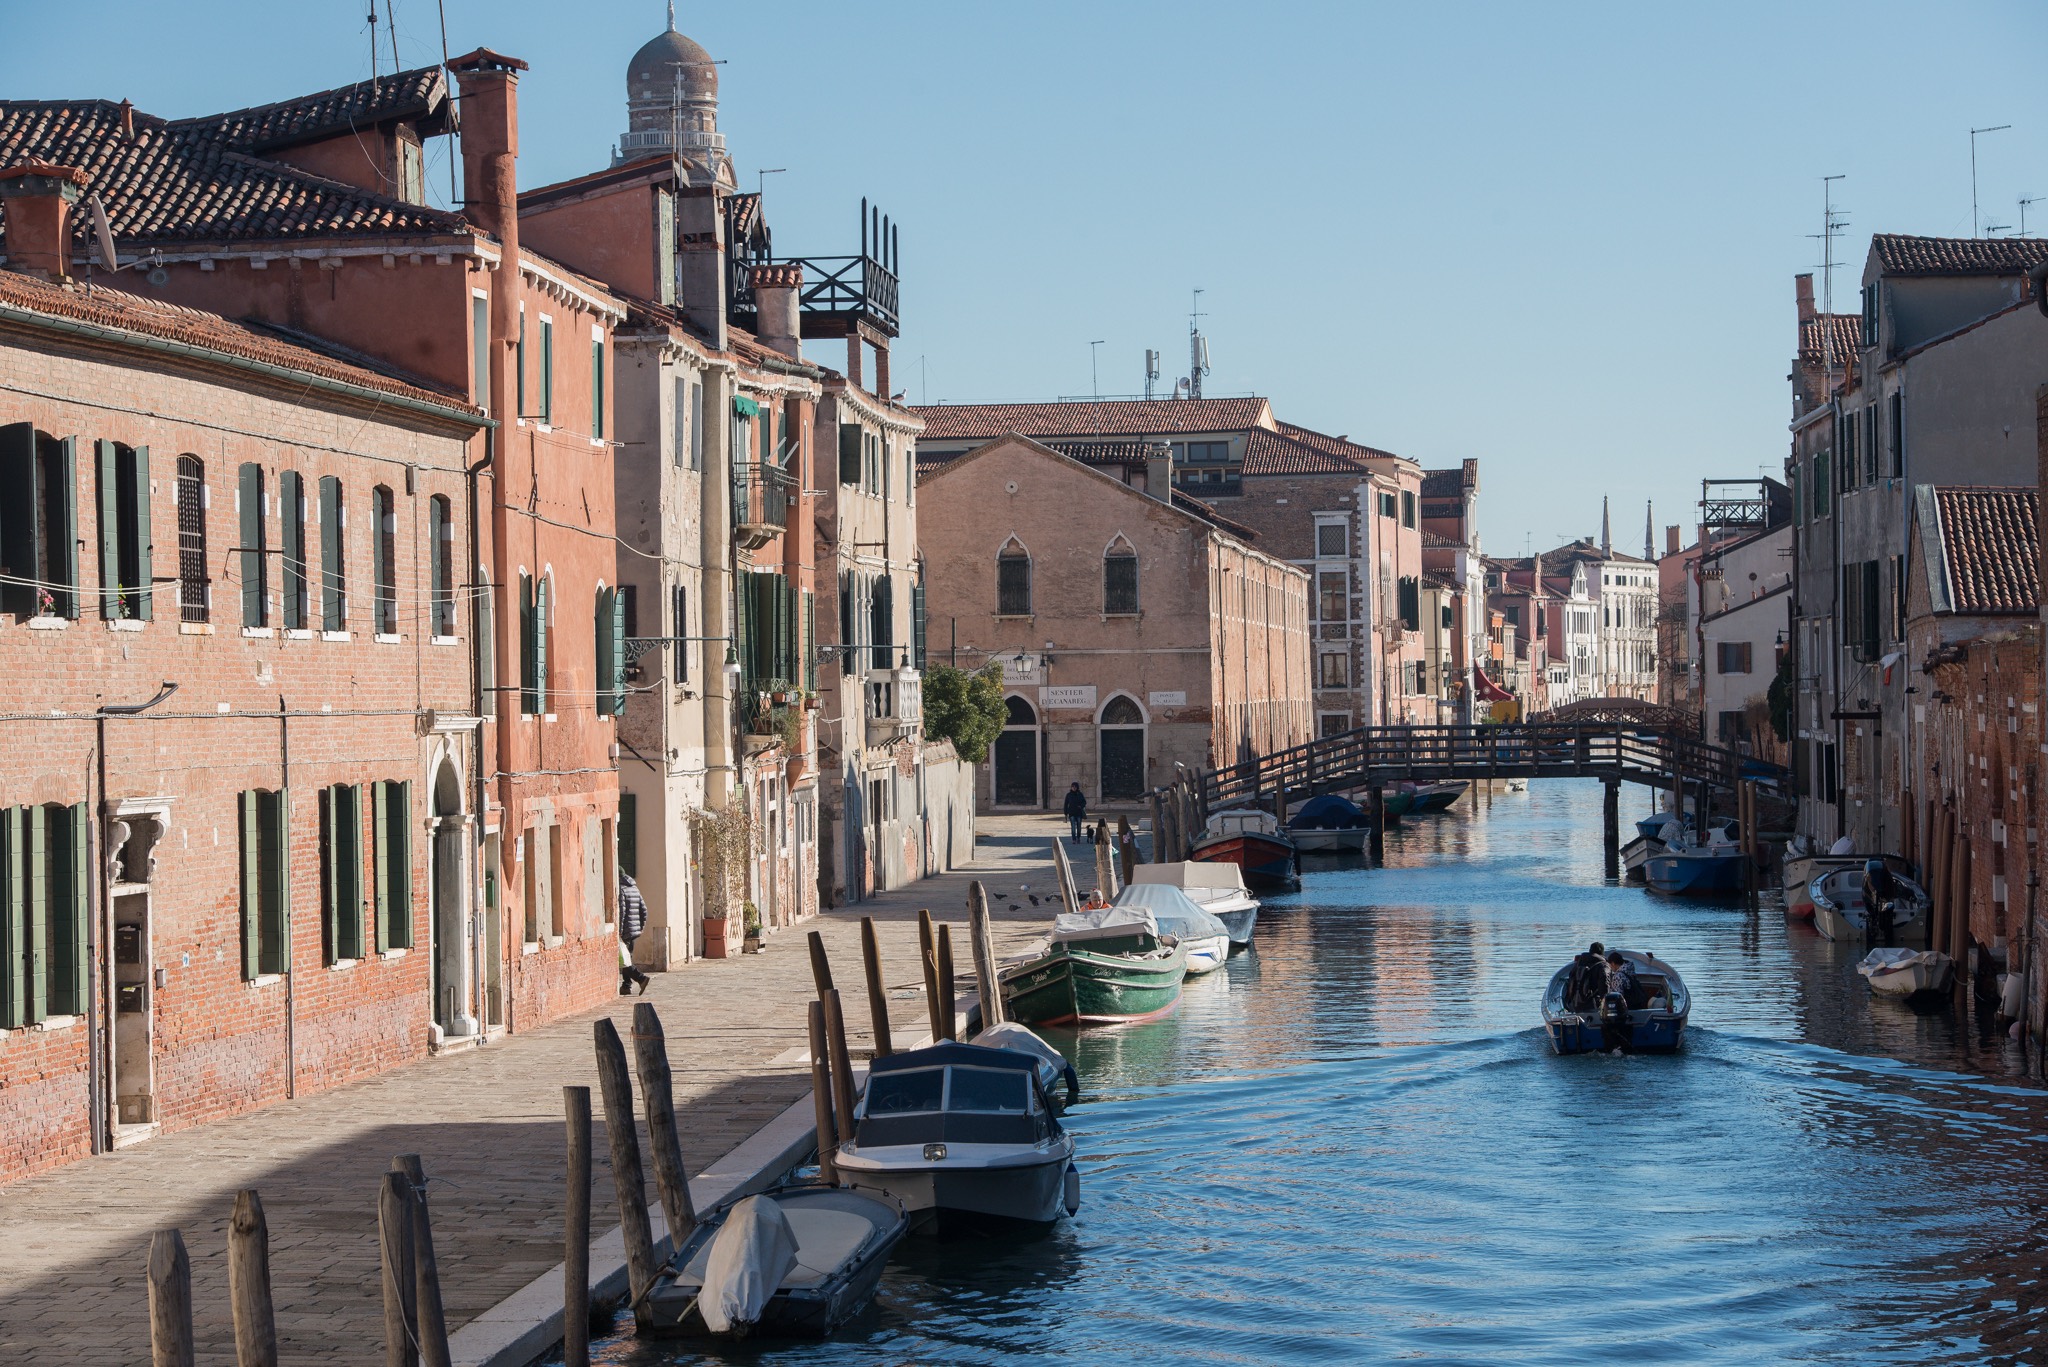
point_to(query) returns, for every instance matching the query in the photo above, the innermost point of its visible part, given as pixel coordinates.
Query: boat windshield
(906, 1093)
(1001, 1090)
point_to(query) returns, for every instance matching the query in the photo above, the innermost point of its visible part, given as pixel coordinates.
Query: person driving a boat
(1621, 981)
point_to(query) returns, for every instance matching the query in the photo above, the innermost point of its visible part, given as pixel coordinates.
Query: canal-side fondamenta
(1354, 1144)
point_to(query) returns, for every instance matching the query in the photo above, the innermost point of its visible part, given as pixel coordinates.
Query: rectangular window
(1331, 540)
(441, 536)
(1120, 583)
(553, 922)
(679, 448)
(1410, 603)
(391, 861)
(629, 834)
(1512, 614)
(1896, 437)
(1333, 596)
(480, 348)
(384, 560)
(519, 364)
(597, 387)
(1208, 452)
(679, 611)
(849, 453)
(1869, 428)
(255, 569)
(610, 672)
(266, 882)
(533, 640)
(1335, 723)
(484, 642)
(1013, 584)
(1407, 508)
(127, 557)
(194, 584)
(1731, 657)
(1820, 484)
(341, 872)
(291, 515)
(1900, 597)
(1334, 670)
(1389, 505)
(1870, 315)
(918, 625)
(547, 370)
(696, 426)
(333, 559)
(44, 914)
(38, 523)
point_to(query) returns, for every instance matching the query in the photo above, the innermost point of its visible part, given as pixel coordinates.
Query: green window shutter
(810, 641)
(917, 624)
(13, 917)
(20, 551)
(380, 852)
(542, 610)
(36, 931)
(333, 607)
(348, 811)
(145, 547)
(330, 888)
(849, 453)
(110, 528)
(66, 513)
(398, 805)
(69, 991)
(292, 546)
(251, 498)
(615, 675)
(597, 390)
(277, 877)
(252, 885)
(526, 697)
(629, 834)
(602, 673)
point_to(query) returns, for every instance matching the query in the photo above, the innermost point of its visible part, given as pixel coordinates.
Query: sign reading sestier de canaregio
(1068, 696)
(1177, 698)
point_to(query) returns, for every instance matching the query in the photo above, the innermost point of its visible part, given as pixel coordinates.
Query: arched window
(1013, 581)
(1120, 579)
(1017, 712)
(1121, 711)
(384, 561)
(192, 581)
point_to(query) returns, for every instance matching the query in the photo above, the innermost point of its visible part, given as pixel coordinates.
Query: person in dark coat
(632, 922)
(1076, 807)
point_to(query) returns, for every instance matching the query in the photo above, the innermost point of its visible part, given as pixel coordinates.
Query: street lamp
(732, 671)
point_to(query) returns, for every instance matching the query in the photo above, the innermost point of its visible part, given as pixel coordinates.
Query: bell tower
(672, 107)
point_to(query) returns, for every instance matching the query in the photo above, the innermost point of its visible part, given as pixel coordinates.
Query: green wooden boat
(1104, 967)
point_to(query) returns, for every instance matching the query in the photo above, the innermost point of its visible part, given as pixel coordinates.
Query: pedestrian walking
(632, 921)
(1076, 807)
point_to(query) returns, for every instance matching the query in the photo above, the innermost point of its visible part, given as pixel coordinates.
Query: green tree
(966, 709)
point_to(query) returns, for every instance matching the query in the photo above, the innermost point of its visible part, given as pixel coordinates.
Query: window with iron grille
(384, 566)
(192, 581)
(1013, 583)
(1120, 581)
(1330, 540)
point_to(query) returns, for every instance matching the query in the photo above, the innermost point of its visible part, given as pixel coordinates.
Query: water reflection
(1354, 1144)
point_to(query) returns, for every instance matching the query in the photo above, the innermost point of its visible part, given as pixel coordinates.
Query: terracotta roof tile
(1901, 255)
(186, 181)
(1843, 332)
(419, 94)
(1336, 446)
(1110, 452)
(210, 332)
(1086, 418)
(1270, 453)
(1207, 512)
(1991, 539)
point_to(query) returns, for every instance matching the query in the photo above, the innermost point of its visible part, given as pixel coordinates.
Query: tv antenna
(1995, 128)
(2025, 200)
(1833, 220)
(1094, 371)
(1198, 348)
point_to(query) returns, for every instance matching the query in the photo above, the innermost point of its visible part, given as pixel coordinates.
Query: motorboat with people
(1252, 840)
(795, 1262)
(962, 1133)
(1900, 972)
(1582, 1016)
(1098, 966)
(1330, 824)
(1217, 888)
(1841, 909)
(1204, 937)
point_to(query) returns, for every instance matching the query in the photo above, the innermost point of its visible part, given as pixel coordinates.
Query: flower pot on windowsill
(714, 938)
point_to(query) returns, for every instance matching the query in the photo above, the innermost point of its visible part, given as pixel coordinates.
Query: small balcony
(761, 495)
(895, 700)
(841, 294)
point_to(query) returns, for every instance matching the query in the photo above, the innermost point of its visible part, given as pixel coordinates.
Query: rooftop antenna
(1094, 372)
(2025, 200)
(1833, 220)
(373, 39)
(761, 181)
(1151, 370)
(391, 31)
(1198, 349)
(1995, 128)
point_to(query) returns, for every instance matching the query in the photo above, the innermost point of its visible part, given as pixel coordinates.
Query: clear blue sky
(1557, 238)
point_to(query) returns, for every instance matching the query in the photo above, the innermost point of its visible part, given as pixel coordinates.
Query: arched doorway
(454, 946)
(1121, 737)
(1016, 781)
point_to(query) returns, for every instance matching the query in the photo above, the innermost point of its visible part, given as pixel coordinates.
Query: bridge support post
(1379, 825)
(1610, 824)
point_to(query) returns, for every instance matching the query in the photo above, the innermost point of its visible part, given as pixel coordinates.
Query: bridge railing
(1385, 754)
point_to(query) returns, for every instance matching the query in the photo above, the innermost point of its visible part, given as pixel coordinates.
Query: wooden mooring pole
(928, 950)
(842, 1065)
(947, 996)
(394, 1244)
(629, 1179)
(249, 1283)
(431, 1318)
(1610, 824)
(1126, 850)
(821, 967)
(576, 1231)
(1159, 854)
(878, 999)
(987, 986)
(664, 1136)
(170, 1301)
(821, 1098)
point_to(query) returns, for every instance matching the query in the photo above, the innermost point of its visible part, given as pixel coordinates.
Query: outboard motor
(1615, 1030)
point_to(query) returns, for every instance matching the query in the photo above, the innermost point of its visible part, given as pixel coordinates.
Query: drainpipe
(478, 788)
(291, 1015)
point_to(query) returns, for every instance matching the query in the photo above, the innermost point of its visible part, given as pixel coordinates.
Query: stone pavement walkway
(487, 1123)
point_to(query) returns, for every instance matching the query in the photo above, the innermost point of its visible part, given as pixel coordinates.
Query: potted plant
(715, 946)
(753, 927)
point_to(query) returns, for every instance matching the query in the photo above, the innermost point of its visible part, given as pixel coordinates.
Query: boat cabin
(954, 1093)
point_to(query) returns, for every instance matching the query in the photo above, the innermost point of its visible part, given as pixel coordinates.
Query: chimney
(490, 145)
(1159, 472)
(128, 119)
(1802, 288)
(38, 197)
(700, 265)
(776, 292)
(1671, 546)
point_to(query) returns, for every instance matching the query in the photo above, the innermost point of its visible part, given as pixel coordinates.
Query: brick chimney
(38, 197)
(776, 292)
(1802, 288)
(1671, 546)
(1159, 471)
(490, 143)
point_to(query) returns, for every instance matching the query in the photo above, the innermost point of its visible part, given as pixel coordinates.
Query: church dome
(651, 74)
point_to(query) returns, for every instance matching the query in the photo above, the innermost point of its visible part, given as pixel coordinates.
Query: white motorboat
(1205, 938)
(1902, 972)
(1839, 913)
(1214, 887)
(962, 1133)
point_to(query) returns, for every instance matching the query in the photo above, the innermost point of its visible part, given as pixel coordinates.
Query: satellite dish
(103, 232)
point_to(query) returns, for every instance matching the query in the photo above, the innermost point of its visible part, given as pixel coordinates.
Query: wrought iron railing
(761, 495)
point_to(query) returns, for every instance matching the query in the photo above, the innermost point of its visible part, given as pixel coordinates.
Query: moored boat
(1438, 797)
(1105, 966)
(1902, 972)
(1580, 1027)
(1839, 912)
(1330, 824)
(1216, 887)
(1253, 841)
(1203, 937)
(1800, 869)
(962, 1133)
(1694, 871)
(794, 1262)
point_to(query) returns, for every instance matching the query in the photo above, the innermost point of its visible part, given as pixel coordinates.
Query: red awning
(1489, 690)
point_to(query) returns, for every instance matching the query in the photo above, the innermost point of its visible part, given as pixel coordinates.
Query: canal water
(1354, 1145)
